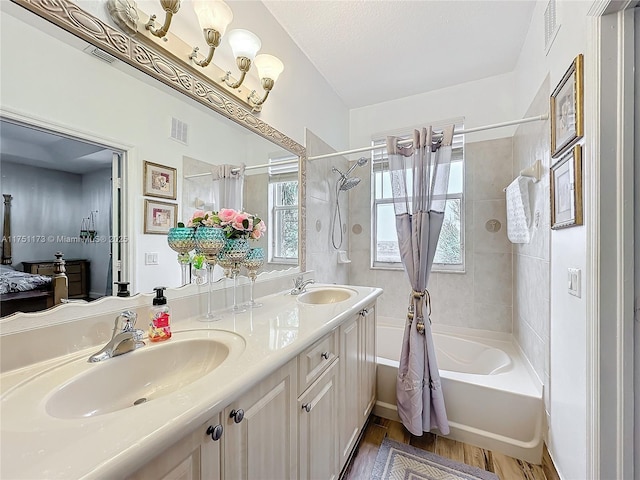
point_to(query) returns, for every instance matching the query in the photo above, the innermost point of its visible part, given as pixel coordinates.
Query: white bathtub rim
(526, 381)
(450, 329)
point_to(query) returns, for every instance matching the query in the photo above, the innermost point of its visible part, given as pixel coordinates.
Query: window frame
(382, 165)
(279, 174)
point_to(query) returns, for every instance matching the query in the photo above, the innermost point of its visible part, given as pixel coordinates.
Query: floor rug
(399, 461)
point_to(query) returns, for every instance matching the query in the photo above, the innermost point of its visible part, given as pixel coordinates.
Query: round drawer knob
(306, 407)
(215, 432)
(237, 415)
(325, 355)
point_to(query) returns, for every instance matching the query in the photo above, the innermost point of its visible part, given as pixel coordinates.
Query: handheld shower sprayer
(343, 184)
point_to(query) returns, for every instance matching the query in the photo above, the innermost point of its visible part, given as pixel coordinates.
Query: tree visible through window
(450, 250)
(285, 221)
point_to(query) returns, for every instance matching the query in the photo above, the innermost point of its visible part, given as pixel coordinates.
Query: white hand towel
(519, 210)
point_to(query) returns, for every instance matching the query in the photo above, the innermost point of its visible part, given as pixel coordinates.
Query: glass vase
(253, 262)
(182, 240)
(232, 255)
(209, 241)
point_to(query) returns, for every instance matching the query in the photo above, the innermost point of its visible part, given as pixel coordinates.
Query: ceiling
(37, 148)
(373, 51)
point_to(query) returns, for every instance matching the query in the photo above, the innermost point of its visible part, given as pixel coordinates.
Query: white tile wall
(322, 258)
(531, 281)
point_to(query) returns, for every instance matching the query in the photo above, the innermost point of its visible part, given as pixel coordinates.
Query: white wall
(567, 335)
(57, 197)
(483, 102)
(109, 101)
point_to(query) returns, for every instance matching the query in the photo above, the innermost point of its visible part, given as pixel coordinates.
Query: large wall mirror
(61, 186)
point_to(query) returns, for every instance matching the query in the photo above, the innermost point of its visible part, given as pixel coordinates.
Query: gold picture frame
(159, 217)
(566, 190)
(567, 108)
(159, 181)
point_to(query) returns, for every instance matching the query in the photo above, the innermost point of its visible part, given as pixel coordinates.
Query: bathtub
(492, 398)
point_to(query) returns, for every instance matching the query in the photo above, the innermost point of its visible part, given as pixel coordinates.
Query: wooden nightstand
(77, 273)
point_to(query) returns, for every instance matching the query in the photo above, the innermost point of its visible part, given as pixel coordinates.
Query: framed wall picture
(159, 217)
(567, 123)
(566, 190)
(159, 181)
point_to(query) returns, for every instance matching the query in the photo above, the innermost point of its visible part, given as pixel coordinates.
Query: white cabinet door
(349, 418)
(260, 437)
(318, 424)
(195, 457)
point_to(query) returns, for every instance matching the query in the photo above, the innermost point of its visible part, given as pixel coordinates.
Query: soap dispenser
(160, 325)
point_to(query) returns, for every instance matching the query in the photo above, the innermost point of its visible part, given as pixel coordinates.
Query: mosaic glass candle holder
(231, 256)
(253, 262)
(209, 242)
(182, 240)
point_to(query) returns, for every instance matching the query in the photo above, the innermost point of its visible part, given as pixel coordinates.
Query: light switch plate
(151, 258)
(574, 281)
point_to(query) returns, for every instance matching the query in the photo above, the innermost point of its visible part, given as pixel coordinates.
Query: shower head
(362, 161)
(346, 182)
(349, 183)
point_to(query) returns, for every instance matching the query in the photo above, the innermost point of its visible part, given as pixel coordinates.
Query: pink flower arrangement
(236, 224)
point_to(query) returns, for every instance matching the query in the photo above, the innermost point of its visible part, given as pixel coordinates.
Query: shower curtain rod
(249, 167)
(537, 118)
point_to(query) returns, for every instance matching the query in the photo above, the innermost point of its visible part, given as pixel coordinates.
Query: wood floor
(506, 468)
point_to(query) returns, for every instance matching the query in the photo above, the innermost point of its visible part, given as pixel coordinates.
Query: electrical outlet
(151, 258)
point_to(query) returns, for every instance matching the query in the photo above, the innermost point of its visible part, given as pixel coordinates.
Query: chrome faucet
(300, 285)
(125, 338)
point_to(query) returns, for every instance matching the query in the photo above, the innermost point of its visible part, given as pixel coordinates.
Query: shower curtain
(419, 181)
(228, 186)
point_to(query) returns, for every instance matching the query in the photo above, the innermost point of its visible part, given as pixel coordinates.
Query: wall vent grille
(179, 131)
(100, 54)
(550, 24)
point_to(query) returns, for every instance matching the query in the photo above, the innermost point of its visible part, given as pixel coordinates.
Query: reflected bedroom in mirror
(57, 204)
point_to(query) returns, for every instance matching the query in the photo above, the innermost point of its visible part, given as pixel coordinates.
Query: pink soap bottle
(160, 324)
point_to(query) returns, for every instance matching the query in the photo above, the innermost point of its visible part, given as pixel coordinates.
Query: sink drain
(140, 401)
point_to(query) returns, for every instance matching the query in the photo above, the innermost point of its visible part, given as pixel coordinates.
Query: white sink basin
(326, 295)
(79, 389)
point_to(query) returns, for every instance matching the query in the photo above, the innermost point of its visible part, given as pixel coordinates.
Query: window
(450, 250)
(283, 211)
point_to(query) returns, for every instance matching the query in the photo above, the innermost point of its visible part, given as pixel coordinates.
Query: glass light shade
(268, 66)
(213, 14)
(244, 43)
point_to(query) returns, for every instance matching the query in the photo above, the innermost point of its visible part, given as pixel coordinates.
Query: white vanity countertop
(35, 445)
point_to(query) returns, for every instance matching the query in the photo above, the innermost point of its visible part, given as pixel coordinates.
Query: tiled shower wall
(531, 282)
(322, 258)
(481, 297)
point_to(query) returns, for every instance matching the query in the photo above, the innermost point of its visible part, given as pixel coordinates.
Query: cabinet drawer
(315, 359)
(73, 268)
(43, 269)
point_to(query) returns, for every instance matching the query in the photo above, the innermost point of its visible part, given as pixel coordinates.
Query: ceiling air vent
(550, 25)
(101, 54)
(179, 131)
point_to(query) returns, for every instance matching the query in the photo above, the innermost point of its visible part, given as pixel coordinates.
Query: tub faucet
(125, 338)
(300, 285)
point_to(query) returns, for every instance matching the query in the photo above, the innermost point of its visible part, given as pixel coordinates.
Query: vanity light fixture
(170, 8)
(269, 69)
(214, 17)
(244, 45)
